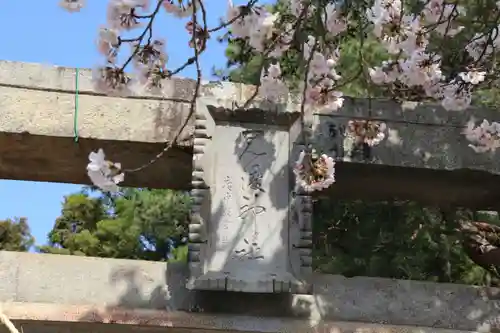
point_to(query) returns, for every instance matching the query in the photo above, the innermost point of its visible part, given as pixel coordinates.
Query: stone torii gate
(425, 148)
(51, 121)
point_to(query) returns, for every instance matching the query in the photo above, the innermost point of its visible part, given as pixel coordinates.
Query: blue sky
(42, 32)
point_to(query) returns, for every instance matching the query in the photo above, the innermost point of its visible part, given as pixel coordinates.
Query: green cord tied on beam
(75, 117)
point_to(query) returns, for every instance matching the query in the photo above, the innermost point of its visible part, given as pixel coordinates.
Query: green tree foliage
(15, 235)
(135, 224)
(395, 240)
(389, 239)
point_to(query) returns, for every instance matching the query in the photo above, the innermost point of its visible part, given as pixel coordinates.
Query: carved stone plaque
(246, 232)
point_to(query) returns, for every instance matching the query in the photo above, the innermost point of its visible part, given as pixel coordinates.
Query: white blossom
(179, 10)
(272, 87)
(316, 178)
(483, 138)
(72, 5)
(104, 174)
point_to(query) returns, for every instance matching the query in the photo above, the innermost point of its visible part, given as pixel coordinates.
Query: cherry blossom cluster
(483, 137)
(360, 133)
(259, 28)
(314, 173)
(271, 83)
(266, 34)
(321, 75)
(72, 5)
(321, 79)
(103, 173)
(366, 132)
(414, 66)
(149, 60)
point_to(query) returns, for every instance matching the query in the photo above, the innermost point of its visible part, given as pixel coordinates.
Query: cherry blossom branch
(191, 60)
(196, 90)
(139, 39)
(243, 12)
(272, 43)
(416, 67)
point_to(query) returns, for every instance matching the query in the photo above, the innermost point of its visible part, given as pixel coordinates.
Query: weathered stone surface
(405, 302)
(243, 233)
(78, 289)
(40, 116)
(422, 136)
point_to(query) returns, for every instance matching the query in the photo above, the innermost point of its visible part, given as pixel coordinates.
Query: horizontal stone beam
(63, 288)
(45, 109)
(470, 188)
(43, 115)
(51, 121)
(41, 318)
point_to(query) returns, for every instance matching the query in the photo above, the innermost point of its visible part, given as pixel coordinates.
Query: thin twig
(248, 7)
(304, 135)
(149, 28)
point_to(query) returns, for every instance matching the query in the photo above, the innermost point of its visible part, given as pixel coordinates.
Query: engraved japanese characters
(242, 234)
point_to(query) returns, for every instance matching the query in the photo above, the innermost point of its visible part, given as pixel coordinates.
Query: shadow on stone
(424, 157)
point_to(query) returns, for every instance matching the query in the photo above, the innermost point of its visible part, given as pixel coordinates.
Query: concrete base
(43, 287)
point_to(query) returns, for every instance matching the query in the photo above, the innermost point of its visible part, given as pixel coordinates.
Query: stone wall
(83, 289)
